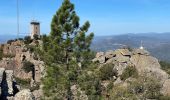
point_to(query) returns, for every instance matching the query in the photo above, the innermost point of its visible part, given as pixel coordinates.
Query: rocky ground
(11, 70)
(16, 53)
(145, 64)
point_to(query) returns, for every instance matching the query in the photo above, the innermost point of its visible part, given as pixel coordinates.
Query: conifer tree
(65, 47)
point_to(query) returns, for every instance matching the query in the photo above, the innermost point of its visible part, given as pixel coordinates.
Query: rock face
(16, 53)
(6, 81)
(9, 79)
(11, 65)
(141, 59)
(2, 70)
(24, 95)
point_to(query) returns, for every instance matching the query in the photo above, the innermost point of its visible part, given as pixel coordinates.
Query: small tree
(36, 37)
(107, 72)
(27, 40)
(130, 71)
(67, 45)
(10, 41)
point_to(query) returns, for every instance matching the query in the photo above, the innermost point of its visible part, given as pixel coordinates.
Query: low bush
(25, 83)
(107, 72)
(28, 66)
(164, 98)
(10, 41)
(8, 55)
(27, 40)
(130, 71)
(165, 66)
(36, 37)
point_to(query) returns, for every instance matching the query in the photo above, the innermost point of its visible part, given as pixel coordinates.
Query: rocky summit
(145, 64)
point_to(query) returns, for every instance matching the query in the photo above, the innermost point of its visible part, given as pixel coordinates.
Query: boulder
(111, 60)
(140, 51)
(118, 81)
(95, 60)
(122, 59)
(38, 94)
(120, 67)
(125, 52)
(109, 54)
(102, 59)
(24, 95)
(148, 65)
(99, 54)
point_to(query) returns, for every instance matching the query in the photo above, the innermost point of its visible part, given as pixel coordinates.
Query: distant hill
(158, 44)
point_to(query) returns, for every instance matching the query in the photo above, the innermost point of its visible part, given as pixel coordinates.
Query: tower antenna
(141, 46)
(17, 19)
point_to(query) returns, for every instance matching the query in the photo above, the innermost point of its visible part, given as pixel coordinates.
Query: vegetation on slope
(165, 66)
(28, 66)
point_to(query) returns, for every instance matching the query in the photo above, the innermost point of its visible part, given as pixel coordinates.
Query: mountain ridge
(158, 43)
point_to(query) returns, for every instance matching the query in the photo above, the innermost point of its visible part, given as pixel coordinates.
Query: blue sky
(107, 17)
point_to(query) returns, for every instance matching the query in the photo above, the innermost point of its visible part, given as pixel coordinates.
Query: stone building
(35, 28)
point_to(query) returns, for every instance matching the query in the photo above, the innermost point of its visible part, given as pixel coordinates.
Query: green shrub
(130, 71)
(31, 48)
(36, 37)
(164, 98)
(25, 83)
(8, 55)
(152, 88)
(165, 66)
(10, 41)
(28, 66)
(145, 87)
(27, 40)
(90, 84)
(107, 72)
(121, 93)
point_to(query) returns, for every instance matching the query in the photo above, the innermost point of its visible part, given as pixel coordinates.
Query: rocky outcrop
(24, 95)
(2, 70)
(144, 63)
(9, 79)
(15, 54)
(11, 65)
(6, 81)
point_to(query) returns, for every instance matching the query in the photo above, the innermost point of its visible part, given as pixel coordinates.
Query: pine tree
(66, 46)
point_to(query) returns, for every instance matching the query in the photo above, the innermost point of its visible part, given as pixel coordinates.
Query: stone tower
(35, 29)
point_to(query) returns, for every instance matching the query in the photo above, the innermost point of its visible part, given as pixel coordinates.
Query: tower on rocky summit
(35, 28)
